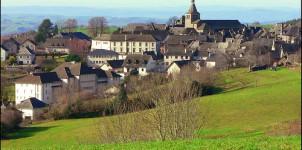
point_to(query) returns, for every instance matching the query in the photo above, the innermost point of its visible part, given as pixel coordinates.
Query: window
(140, 43)
(167, 63)
(27, 56)
(176, 57)
(188, 16)
(167, 57)
(140, 49)
(152, 44)
(20, 56)
(127, 43)
(121, 49)
(114, 43)
(134, 50)
(146, 44)
(187, 57)
(121, 43)
(182, 57)
(133, 43)
(142, 69)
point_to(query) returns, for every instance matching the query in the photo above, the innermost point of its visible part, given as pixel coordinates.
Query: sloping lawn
(241, 117)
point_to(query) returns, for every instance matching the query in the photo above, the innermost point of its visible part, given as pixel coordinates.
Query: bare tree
(97, 26)
(71, 25)
(60, 24)
(172, 21)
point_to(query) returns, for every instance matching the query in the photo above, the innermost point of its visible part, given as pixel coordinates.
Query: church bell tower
(192, 15)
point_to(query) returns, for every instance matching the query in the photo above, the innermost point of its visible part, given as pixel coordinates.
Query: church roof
(192, 9)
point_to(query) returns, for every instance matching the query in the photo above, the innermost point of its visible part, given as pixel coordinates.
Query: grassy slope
(84, 30)
(239, 116)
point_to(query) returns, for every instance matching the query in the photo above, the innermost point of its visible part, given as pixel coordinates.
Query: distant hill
(24, 18)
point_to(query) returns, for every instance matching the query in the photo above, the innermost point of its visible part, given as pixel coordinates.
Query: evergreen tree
(45, 30)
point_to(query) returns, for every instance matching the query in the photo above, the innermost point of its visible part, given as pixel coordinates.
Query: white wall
(211, 64)
(42, 92)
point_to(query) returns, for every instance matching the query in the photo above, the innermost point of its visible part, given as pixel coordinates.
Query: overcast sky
(152, 3)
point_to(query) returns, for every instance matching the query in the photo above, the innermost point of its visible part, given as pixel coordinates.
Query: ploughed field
(256, 110)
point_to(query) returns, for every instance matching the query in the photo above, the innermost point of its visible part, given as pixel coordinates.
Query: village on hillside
(40, 72)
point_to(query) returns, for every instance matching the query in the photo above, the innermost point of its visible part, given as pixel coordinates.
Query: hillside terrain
(256, 110)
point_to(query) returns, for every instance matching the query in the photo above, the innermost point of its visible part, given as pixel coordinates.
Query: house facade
(125, 44)
(141, 63)
(31, 108)
(38, 85)
(99, 57)
(26, 56)
(12, 45)
(177, 54)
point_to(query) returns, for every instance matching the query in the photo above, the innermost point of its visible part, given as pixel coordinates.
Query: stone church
(191, 20)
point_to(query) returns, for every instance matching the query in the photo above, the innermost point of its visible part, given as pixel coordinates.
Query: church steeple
(192, 9)
(192, 15)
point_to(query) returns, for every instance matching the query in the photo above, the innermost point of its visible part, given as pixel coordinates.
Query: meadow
(256, 110)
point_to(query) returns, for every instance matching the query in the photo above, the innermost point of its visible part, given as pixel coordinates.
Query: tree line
(47, 29)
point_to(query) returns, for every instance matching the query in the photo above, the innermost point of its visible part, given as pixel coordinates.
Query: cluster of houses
(144, 48)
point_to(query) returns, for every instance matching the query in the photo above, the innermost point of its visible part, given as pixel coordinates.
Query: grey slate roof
(136, 61)
(127, 37)
(102, 52)
(192, 9)
(4, 48)
(180, 51)
(223, 24)
(182, 63)
(293, 31)
(31, 103)
(115, 63)
(106, 74)
(26, 51)
(77, 35)
(75, 69)
(39, 78)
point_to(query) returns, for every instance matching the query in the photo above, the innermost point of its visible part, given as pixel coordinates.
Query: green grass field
(243, 116)
(267, 26)
(84, 30)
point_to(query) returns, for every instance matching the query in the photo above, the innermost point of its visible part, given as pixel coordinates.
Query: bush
(4, 130)
(73, 57)
(10, 120)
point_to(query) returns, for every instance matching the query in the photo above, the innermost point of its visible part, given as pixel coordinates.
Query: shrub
(72, 57)
(10, 120)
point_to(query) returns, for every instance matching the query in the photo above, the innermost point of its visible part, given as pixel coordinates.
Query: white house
(26, 56)
(126, 43)
(31, 108)
(38, 85)
(141, 63)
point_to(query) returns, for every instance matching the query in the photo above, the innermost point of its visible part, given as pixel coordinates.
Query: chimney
(125, 37)
(185, 50)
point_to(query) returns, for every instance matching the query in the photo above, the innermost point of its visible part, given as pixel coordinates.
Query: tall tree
(71, 25)
(46, 30)
(97, 25)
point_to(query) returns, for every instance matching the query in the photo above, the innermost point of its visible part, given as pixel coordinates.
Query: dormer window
(136, 61)
(146, 61)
